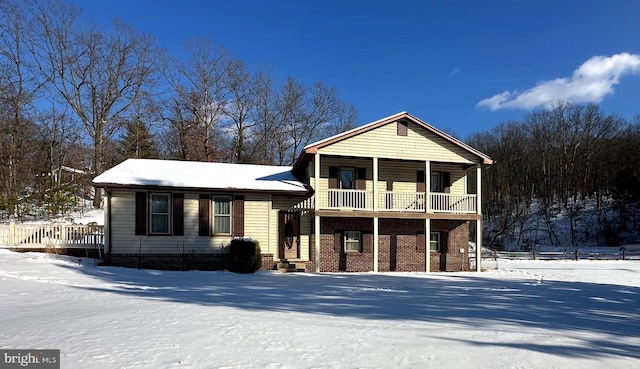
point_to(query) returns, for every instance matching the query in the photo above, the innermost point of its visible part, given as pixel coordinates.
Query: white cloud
(591, 82)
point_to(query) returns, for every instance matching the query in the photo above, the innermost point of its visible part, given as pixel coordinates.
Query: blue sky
(463, 66)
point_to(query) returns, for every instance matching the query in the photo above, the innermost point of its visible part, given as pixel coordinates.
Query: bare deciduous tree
(195, 103)
(98, 74)
(241, 102)
(18, 87)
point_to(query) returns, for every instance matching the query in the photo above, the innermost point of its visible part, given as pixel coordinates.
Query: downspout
(269, 224)
(479, 221)
(108, 223)
(316, 206)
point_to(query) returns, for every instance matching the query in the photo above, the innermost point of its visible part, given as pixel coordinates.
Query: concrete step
(285, 266)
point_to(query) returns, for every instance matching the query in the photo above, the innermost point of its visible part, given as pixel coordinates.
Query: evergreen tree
(137, 142)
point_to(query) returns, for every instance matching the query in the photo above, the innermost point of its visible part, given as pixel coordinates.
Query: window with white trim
(352, 241)
(222, 215)
(434, 241)
(159, 211)
(347, 178)
(436, 182)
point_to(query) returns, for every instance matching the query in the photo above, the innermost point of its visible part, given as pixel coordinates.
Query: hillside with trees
(567, 175)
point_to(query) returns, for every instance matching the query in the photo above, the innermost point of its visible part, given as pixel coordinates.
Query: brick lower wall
(398, 246)
(333, 258)
(455, 236)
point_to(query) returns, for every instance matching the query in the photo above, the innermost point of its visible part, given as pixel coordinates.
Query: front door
(289, 234)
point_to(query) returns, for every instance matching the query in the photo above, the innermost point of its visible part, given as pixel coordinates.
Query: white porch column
(316, 206)
(427, 186)
(269, 238)
(376, 238)
(479, 221)
(427, 239)
(375, 219)
(375, 184)
(375, 244)
(427, 222)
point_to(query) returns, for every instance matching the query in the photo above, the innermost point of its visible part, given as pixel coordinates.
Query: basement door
(289, 234)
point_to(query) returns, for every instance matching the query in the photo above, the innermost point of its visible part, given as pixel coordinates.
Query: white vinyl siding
(384, 142)
(344, 162)
(393, 175)
(261, 224)
(256, 220)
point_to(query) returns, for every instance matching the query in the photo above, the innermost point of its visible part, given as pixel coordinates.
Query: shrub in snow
(244, 256)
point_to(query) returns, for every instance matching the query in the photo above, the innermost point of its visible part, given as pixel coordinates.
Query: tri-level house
(393, 195)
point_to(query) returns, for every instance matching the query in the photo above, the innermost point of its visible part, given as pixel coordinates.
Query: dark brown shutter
(333, 177)
(204, 202)
(178, 214)
(446, 181)
(141, 213)
(421, 184)
(420, 242)
(402, 128)
(367, 242)
(237, 226)
(337, 241)
(361, 179)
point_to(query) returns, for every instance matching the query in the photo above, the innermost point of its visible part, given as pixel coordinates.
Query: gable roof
(402, 116)
(200, 176)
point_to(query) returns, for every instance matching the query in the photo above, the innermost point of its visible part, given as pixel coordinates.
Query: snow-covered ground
(525, 314)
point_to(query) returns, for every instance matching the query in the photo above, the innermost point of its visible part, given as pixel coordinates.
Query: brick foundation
(168, 261)
(268, 263)
(217, 261)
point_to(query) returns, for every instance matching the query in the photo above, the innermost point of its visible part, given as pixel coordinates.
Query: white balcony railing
(448, 203)
(401, 201)
(397, 201)
(340, 199)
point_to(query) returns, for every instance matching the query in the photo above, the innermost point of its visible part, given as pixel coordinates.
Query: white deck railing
(51, 235)
(397, 201)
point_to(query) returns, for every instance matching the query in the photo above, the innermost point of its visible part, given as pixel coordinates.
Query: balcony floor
(348, 213)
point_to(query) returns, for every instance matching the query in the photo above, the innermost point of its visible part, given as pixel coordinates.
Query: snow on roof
(70, 170)
(201, 175)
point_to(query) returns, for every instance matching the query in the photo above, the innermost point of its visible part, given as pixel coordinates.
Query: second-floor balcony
(436, 202)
